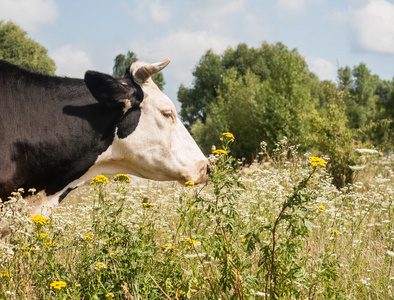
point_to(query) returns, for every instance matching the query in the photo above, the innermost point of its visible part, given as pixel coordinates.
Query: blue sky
(88, 34)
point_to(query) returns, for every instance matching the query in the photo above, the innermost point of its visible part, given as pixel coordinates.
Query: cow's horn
(148, 70)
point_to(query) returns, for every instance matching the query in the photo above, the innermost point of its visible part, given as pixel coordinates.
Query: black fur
(52, 129)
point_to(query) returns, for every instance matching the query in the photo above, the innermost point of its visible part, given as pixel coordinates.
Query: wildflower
(357, 168)
(58, 285)
(391, 253)
(167, 247)
(39, 220)
(28, 247)
(21, 190)
(335, 232)
(189, 183)
(51, 244)
(365, 282)
(109, 295)
(100, 265)
(228, 135)
(43, 235)
(366, 151)
(220, 151)
(5, 274)
(99, 179)
(122, 178)
(191, 241)
(244, 240)
(316, 161)
(321, 208)
(32, 190)
(147, 205)
(87, 237)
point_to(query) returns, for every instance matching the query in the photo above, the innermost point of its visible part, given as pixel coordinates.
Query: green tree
(121, 62)
(265, 106)
(18, 49)
(367, 100)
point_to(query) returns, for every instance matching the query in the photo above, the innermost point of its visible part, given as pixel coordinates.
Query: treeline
(267, 93)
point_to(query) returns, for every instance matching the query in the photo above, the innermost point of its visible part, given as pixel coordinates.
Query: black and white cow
(56, 133)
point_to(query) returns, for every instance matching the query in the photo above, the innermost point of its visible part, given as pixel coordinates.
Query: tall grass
(273, 230)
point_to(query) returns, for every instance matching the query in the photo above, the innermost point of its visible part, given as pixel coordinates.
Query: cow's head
(150, 140)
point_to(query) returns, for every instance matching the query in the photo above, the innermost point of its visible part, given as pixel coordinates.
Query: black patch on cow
(112, 91)
(52, 129)
(128, 123)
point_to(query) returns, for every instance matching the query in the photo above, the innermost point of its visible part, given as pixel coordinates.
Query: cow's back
(47, 125)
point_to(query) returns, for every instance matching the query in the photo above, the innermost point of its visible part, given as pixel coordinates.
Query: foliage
(367, 105)
(18, 49)
(258, 110)
(121, 62)
(334, 138)
(277, 230)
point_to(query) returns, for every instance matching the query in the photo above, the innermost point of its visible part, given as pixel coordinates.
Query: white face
(160, 147)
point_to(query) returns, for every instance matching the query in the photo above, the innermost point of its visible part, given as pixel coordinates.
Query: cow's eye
(167, 114)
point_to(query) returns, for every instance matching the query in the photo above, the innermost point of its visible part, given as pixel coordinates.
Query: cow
(56, 133)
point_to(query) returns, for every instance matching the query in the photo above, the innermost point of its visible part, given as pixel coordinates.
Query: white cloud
(147, 13)
(292, 6)
(324, 69)
(372, 26)
(159, 13)
(29, 14)
(71, 61)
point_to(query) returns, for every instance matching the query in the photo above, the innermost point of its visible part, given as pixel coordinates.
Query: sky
(85, 35)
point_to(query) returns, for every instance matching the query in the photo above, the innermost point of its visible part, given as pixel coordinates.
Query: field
(277, 229)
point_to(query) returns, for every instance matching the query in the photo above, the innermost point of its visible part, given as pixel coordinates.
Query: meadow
(275, 229)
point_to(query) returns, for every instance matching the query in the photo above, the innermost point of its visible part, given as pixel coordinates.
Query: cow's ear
(108, 90)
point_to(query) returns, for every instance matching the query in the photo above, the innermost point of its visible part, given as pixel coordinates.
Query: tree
(367, 108)
(259, 107)
(18, 49)
(121, 62)
(208, 74)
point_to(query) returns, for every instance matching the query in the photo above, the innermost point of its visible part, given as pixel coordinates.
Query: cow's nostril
(208, 169)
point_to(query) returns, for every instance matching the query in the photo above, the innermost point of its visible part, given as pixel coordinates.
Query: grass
(273, 230)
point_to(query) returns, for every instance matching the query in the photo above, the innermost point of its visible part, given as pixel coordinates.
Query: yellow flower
(58, 285)
(109, 295)
(87, 237)
(220, 151)
(100, 265)
(28, 247)
(315, 161)
(43, 235)
(228, 135)
(122, 178)
(244, 240)
(5, 274)
(147, 205)
(40, 220)
(100, 179)
(189, 183)
(51, 244)
(335, 232)
(191, 241)
(321, 208)
(167, 247)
